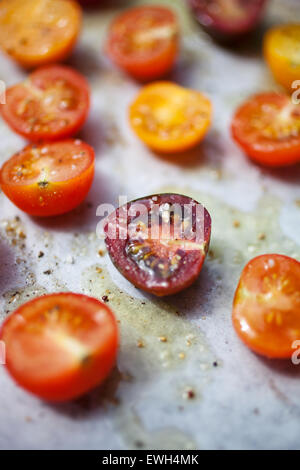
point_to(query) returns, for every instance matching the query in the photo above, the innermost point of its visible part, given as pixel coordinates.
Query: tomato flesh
(267, 127)
(169, 118)
(144, 41)
(227, 19)
(39, 32)
(266, 308)
(52, 104)
(159, 243)
(281, 51)
(49, 179)
(59, 346)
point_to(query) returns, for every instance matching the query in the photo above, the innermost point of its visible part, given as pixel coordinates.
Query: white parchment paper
(201, 388)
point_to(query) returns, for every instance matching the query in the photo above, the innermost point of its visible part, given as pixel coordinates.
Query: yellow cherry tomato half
(170, 118)
(282, 53)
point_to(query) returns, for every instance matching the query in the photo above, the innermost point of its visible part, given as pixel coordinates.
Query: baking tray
(202, 388)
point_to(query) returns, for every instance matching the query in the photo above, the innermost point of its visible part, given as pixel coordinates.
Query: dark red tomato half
(227, 19)
(52, 104)
(93, 3)
(159, 242)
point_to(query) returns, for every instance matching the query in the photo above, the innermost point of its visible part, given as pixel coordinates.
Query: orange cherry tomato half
(159, 243)
(39, 32)
(266, 307)
(281, 51)
(52, 104)
(144, 41)
(60, 346)
(49, 179)
(267, 127)
(169, 118)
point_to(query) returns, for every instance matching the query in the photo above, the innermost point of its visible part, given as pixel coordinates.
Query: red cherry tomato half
(52, 104)
(267, 127)
(49, 179)
(266, 307)
(60, 346)
(226, 19)
(144, 41)
(159, 242)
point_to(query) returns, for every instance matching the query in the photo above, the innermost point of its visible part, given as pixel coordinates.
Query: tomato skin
(151, 64)
(55, 198)
(226, 28)
(279, 46)
(273, 151)
(191, 260)
(26, 27)
(58, 199)
(63, 123)
(266, 306)
(38, 367)
(168, 106)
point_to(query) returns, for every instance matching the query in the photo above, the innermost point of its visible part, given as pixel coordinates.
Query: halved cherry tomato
(228, 19)
(267, 127)
(159, 242)
(52, 104)
(49, 179)
(282, 53)
(266, 307)
(60, 346)
(144, 41)
(170, 118)
(39, 32)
